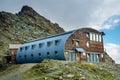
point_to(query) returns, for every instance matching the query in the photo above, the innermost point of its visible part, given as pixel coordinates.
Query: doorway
(78, 56)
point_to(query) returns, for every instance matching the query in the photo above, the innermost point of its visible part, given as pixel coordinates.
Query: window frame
(33, 46)
(21, 48)
(57, 41)
(32, 55)
(40, 45)
(39, 54)
(49, 43)
(56, 53)
(77, 43)
(26, 48)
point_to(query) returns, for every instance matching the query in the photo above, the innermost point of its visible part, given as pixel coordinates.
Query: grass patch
(53, 69)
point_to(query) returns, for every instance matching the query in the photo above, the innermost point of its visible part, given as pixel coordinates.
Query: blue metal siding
(59, 48)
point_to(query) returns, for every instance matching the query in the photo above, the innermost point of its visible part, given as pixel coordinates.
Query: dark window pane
(49, 43)
(39, 54)
(40, 45)
(26, 48)
(33, 46)
(56, 53)
(56, 42)
(21, 49)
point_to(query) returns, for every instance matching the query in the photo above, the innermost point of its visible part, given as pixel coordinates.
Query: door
(72, 56)
(78, 56)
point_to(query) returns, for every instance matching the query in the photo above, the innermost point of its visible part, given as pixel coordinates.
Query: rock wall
(24, 26)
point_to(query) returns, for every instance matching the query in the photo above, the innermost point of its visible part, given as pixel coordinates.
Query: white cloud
(114, 51)
(70, 14)
(107, 9)
(116, 21)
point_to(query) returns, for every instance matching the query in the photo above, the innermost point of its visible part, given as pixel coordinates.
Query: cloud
(111, 22)
(82, 13)
(114, 51)
(107, 9)
(69, 14)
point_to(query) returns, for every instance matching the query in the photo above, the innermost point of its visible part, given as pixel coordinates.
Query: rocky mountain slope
(62, 70)
(24, 26)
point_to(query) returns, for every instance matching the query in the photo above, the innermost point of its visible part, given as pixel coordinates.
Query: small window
(93, 36)
(56, 42)
(32, 56)
(88, 55)
(26, 47)
(87, 44)
(21, 48)
(97, 37)
(88, 35)
(39, 54)
(49, 43)
(33, 46)
(100, 38)
(48, 53)
(77, 43)
(72, 42)
(56, 53)
(20, 56)
(40, 45)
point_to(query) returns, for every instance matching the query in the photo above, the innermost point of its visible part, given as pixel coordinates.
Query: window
(40, 45)
(33, 46)
(48, 53)
(21, 48)
(100, 38)
(77, 43)
(88, 44)
(26, 47)
(39, 54)
(32, 56)
(88, 35)
(57, 42)
(96, 37)
(49, 43)
(56, 53)
(91, 36)
(72, 42)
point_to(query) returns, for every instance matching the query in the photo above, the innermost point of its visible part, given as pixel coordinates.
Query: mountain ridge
(24, 26)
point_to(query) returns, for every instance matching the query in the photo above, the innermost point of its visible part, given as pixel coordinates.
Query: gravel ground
(16, 74)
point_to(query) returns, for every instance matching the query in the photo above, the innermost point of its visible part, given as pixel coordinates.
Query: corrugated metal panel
(47, 52)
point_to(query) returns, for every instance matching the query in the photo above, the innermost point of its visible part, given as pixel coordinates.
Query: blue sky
(112, 34)
(103, 15)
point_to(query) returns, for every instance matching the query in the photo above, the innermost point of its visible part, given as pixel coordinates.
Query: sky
(103, 15)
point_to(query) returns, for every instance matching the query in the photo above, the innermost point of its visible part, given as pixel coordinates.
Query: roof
(14, 46)
(90, 30)
(80, 49)
(69, 32)
(52, 36)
